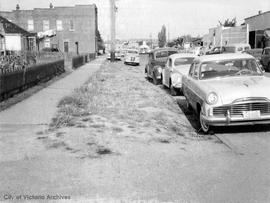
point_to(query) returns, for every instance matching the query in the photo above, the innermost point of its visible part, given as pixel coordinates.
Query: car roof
(220, 57)
(164, 49)
(180, 55)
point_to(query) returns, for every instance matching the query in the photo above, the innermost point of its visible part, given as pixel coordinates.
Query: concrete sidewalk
(41, 107)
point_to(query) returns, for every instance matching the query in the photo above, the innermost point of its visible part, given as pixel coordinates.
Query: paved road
(188, 171)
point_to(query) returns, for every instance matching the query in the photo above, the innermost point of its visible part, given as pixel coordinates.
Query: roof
(182, 55)
(11, 28)
(257, 15)
(219, 57)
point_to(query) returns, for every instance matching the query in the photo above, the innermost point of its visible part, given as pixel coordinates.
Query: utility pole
(113, 11)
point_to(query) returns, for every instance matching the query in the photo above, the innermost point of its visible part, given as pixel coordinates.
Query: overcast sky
(142, 18)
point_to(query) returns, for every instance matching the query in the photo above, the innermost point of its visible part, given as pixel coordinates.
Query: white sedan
(132, 57)
(227, 89)
(176, 67)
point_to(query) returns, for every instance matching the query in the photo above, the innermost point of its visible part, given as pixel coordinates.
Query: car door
(193, 88)
(167, 72)
(186, 83)
(150, 64)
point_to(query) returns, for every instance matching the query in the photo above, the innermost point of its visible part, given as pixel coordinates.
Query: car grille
(237, 109)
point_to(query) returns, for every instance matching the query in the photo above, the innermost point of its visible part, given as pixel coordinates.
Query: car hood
(232, 88)
(183, 69)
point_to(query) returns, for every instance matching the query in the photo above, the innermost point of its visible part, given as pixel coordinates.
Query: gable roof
(11, 28)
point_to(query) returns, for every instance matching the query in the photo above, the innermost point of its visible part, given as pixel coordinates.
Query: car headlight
(159, 69)
(212, 98)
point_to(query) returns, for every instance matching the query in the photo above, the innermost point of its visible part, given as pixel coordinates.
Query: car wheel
(268, 67)
(204, 127)
(155, 80)
(173, 92)
(188, 105)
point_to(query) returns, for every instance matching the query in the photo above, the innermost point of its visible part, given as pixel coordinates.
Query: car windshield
(183, 61)
(229, 68)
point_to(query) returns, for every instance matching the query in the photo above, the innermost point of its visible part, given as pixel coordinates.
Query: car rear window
(183, 61)
(172, 52)
(230, 49)
(161, 54)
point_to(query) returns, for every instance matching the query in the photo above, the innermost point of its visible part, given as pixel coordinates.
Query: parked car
(215, 50)
(265, 58)
(236, 48)
(117, 55)
(132, 57)
(156, 62)
(176, 66)
(227, 89)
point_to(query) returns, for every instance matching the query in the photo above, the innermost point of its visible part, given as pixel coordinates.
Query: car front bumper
(233, 121)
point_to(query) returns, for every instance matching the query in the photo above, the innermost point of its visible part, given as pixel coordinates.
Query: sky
(137, 19)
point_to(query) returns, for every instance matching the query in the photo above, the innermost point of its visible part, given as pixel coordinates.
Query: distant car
(156, 62)
(117, 55)
(177, 65)
(227, 89)
(132, 57)
(215, 50)
(265, 58)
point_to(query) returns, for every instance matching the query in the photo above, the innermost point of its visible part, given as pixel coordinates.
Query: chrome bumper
(232, 121)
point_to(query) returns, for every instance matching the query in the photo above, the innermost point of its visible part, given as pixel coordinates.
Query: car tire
(155, 80)
(188, 105)
(268, 67)
(173, 92)
(203, 126)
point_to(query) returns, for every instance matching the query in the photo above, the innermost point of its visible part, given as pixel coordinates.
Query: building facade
(70, 29)
(259, 29)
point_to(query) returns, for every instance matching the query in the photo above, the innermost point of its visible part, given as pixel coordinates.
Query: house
(70, 29)
(14, 38)
(259, 29)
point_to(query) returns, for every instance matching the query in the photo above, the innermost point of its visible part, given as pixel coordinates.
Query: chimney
(260, 12)
(51, 6)
(17, 7)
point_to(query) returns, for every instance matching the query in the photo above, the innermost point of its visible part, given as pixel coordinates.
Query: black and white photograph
(135, 101)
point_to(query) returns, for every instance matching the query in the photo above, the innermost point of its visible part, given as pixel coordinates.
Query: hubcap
(204, 126)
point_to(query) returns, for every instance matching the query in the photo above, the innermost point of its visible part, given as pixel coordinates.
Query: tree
(228, 22)
(176, 42)
(100, 41)
(162, 37)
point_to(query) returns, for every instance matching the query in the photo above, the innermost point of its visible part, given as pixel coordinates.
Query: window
(71, 25)
(47, 43)
(170, 62)
(191, 69)
(161, 54)
(30, 25)
(267, 51)
(196, 71)
(172, 52)
(59, 25)
(183, 61)
(46, 25)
